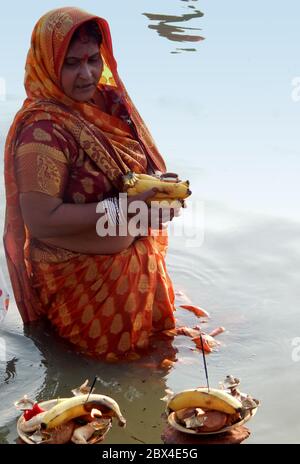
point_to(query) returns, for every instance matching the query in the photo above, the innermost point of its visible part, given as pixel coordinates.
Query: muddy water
(219, 105)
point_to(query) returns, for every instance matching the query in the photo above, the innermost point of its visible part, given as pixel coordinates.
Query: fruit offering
(210, 411)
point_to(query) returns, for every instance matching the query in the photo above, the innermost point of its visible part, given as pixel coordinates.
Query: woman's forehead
(79, 49)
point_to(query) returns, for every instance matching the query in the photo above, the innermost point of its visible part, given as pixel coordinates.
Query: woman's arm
(47, 216)
(71, 226)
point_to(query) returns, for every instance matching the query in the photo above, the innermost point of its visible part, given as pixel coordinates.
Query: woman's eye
(71, 63)
(94, 60)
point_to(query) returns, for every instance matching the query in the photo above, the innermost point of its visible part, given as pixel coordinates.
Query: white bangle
(111, 206)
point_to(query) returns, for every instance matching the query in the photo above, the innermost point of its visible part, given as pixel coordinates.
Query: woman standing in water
(75, 136)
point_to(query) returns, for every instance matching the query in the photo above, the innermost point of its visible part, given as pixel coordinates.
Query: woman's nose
(85, 71)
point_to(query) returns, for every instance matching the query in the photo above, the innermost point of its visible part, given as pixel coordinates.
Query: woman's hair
(87, 31)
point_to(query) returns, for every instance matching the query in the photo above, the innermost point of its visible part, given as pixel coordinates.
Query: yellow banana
(132, 177)
(149, 177)
(79, 406)
(153, 177)
(137, 183)
(166, 188)
(213, 399)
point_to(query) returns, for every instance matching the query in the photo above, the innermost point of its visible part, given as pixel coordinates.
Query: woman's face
(81, 70)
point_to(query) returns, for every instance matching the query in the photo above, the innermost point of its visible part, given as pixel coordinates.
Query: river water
(215, 84)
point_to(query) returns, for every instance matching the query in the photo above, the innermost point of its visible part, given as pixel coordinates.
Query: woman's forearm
(71, 219)
(49, 217)
(72, 226)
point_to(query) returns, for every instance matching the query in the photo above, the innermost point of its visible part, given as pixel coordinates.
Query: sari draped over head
(105, 304)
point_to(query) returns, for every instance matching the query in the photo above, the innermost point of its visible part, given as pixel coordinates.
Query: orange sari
(107, 305)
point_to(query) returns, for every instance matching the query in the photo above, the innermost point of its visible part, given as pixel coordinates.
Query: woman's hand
(154, 217)
(170, 176)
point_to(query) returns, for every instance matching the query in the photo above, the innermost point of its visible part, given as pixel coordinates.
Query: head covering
(49, 44)
(90, 127)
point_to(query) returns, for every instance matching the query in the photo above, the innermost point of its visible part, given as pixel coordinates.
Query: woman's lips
(85, 87)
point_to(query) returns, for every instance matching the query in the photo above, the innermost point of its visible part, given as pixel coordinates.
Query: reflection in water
(184, 49)
(10, 369)
(21, 372)
(175, 33)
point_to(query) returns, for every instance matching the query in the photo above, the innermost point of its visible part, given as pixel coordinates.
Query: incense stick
(91, 389)
(204, 361)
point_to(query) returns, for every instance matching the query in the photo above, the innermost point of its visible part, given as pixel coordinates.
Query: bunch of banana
(78, 406)
(169, 190)
(212, 399)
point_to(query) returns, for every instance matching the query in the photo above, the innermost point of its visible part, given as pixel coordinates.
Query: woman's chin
(83, 95)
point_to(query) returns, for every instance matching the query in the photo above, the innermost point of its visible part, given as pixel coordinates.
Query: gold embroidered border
(41, 149)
